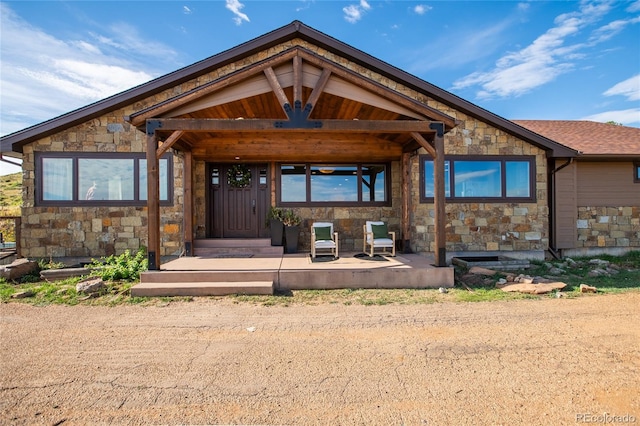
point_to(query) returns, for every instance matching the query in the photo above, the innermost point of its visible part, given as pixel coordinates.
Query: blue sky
(569, 60)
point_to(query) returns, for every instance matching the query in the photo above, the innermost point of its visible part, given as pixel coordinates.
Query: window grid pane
(105, 179)
(517, 176)
(373, 183)
(334, 183)
(293, 183)
(477, 179)
(57, 179)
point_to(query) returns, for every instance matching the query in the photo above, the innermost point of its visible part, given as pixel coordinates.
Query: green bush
(125, 267)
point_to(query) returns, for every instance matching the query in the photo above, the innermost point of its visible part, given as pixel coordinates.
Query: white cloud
(634, 7)
(186, 10)
(542, 61)
(353, 13)
(611, 29)
(630, 88)
(235, 6)
(421, 9)
(626, 116)
(42, 76)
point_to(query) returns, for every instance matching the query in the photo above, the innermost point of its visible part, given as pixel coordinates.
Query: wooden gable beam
(278, 90)
(139, 119)
(297, 79)
(424, 143)
(378, 89)
(318, 89)
(328, 126)
(175, 136)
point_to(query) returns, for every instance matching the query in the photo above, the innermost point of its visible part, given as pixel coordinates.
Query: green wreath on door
(239, 176)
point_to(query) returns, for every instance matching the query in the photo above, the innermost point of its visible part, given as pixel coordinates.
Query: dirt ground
(549, 361)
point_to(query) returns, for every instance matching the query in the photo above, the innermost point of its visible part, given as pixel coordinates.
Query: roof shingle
(588, 137)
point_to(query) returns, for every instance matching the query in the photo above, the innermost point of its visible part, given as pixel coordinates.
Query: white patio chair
(323, 238)
(376, 235)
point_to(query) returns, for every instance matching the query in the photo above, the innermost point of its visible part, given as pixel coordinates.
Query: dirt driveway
(551, 361)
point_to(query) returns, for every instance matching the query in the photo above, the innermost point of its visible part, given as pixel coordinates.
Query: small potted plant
(275, 223)
(291, 230)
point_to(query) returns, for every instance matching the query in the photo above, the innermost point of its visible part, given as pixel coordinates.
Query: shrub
(125, 267)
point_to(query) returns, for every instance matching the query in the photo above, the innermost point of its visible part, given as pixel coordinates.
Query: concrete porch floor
(263, 274)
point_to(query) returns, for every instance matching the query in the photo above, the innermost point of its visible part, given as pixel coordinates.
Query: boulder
(17, 269)
(91, 285)
(541, 288)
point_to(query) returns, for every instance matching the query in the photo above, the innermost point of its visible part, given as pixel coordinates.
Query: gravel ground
(549, 361)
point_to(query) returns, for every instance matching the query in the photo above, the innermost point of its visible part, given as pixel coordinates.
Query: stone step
(208, 276)
(222, 288)
(231, 242)
(237, 251)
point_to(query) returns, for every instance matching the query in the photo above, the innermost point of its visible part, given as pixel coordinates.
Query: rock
(571, 263)
(61, 274)
(599, 262)
(533, 288)
(502, 281)
(91, 286)
(18, 268)
(477, 270)
(557, 271)
(597, 273)
(23, 294)
(443, 290)
(584, 288)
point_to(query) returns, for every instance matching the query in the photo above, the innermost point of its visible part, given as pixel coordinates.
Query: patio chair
(376, 235)
(323, 238)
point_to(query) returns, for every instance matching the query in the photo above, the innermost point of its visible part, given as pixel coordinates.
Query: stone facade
(604, 227)
(76, 231)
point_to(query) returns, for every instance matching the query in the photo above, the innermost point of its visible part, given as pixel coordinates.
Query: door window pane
(293, 183)
(57, 179)
(477, 179)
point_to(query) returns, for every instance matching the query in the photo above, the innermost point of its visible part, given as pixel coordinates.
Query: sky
(564, 60)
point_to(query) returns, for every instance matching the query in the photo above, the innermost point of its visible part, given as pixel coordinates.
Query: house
(296, 119)
(596, 196)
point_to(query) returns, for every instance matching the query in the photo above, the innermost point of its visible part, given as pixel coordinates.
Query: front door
(239, 200)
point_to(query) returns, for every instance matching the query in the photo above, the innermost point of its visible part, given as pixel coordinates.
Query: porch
(259, 272)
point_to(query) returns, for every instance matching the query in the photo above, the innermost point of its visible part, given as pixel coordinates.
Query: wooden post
(406, 202)
(439, 195)
(153, 200)
(188, 203)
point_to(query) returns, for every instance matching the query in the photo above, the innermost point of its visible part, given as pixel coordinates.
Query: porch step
(235, 247)
(223, 288)
(209, 276)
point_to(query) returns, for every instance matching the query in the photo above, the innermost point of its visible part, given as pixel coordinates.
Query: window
(486, 178)
(636, 172)
(92, 179)
(334, 184)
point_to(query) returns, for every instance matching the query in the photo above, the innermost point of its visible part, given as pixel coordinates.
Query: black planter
(277, 232)
(291, 234)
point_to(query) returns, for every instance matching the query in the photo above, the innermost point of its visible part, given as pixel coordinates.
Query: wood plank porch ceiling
(242, 128)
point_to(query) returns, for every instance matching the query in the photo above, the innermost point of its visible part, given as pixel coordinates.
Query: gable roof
(589, 137)
(16, 141)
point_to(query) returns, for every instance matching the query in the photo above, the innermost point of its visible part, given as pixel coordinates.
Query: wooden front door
(238, 200)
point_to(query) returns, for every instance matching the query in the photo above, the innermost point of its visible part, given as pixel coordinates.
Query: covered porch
(294, 107)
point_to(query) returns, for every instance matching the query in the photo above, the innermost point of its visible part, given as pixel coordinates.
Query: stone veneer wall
(100, 231)
(87, 231)
(608, 227)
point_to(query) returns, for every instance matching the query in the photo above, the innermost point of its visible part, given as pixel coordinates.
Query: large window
(95, 179)
(485, 178)
(636, 172)
(334, 184)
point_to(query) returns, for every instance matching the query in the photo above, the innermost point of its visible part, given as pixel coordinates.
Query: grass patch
(625, 277)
